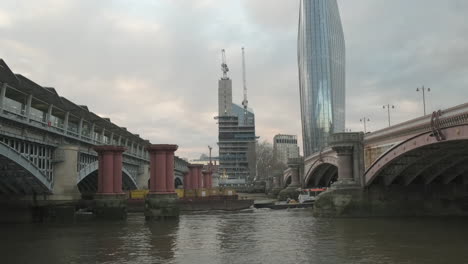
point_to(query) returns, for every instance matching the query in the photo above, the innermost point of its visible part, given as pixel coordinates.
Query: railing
(18, 117)
(452, 116)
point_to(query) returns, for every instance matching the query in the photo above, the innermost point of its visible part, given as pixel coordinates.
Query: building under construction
(236, 137)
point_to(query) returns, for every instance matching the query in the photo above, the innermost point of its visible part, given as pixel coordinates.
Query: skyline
(165, 73)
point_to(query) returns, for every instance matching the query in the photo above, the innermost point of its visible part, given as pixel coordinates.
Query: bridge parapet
(379, 142)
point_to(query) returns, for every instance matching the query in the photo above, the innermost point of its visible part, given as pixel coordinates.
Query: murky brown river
(253, 236)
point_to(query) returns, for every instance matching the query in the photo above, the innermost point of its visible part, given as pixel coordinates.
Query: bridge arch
(436, 156)
(87, 178)
(287, 180)
(178, 182)
(322, 172)
(18, 175)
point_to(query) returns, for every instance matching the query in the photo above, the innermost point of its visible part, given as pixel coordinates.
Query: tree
(266, 163)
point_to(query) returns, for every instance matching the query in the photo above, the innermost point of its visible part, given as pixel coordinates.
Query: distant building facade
(236, 139)
(285, 147)
(321, 63)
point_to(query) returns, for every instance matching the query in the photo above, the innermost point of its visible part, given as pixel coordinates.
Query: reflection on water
(255, 236)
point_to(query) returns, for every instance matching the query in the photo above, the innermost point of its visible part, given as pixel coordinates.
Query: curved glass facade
(321, 62)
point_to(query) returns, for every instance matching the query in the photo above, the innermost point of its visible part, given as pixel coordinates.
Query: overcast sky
(153, 65)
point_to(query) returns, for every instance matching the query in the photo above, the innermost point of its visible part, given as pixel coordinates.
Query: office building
(321, 63)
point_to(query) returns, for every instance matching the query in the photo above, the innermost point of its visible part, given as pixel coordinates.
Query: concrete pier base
(110, 206)
(161, 206)
(28, 209)
(379, 201)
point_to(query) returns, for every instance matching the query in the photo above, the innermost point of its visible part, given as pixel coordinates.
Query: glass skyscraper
(321, 62)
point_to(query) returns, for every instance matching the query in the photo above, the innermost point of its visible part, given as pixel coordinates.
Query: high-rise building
(236, 138)
(285, 147)
(321, 63)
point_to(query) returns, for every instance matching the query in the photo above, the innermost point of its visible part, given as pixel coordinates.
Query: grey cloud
(153, 66)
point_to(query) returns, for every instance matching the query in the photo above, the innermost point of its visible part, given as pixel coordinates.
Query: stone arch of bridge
(322, 172)
(433, 157)
(88, 179)
(178, 182)
(322, 176)
(287, 180)
(18, 175)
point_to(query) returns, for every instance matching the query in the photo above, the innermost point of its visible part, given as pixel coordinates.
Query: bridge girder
(454, 172)
(18, 175)
(320, 171)
(436, 158)
(429, 176)
(313, 173)
(332, 173)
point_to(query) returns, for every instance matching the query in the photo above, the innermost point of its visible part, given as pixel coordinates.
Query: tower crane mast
(244, 102)
(224, 67)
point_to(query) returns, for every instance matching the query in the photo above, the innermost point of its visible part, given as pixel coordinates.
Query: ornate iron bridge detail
(39, 155)
(435, 126)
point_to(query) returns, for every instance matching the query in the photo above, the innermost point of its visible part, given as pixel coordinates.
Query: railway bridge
(47, 145)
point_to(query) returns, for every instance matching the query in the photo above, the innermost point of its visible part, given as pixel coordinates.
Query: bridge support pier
(276, 189)
(110, 201)
(161, 201)
(56, 207)
(207, 179)
(291, 191)
(192, 183)
(65, 188)
(345, 197)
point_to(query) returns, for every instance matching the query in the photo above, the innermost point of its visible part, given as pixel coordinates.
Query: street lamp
(423, 89)
(388, 110)
(363, 120)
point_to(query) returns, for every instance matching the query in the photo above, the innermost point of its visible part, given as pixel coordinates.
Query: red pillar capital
(161, 147)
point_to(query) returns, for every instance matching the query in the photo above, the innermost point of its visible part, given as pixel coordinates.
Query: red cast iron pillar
(210, 179)
(161, 167)
(110, 169)
(200, 176)
(193, 176)
(170, 168)
(118, 151)
(187, 180)
(206, 179)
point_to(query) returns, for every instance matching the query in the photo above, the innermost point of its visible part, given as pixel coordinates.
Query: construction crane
(244, 102)
(224, 67)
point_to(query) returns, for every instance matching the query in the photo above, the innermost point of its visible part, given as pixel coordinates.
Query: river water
(252, 236)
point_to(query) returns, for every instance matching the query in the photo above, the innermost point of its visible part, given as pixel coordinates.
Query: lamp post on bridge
(424, 89)
(364, 120)
(388, 111)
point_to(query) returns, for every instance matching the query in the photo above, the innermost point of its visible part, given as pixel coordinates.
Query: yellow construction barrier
(190, 194)
(229, 192)
(180, 193)
(214, 191)
(138, 194)
(202, 192)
